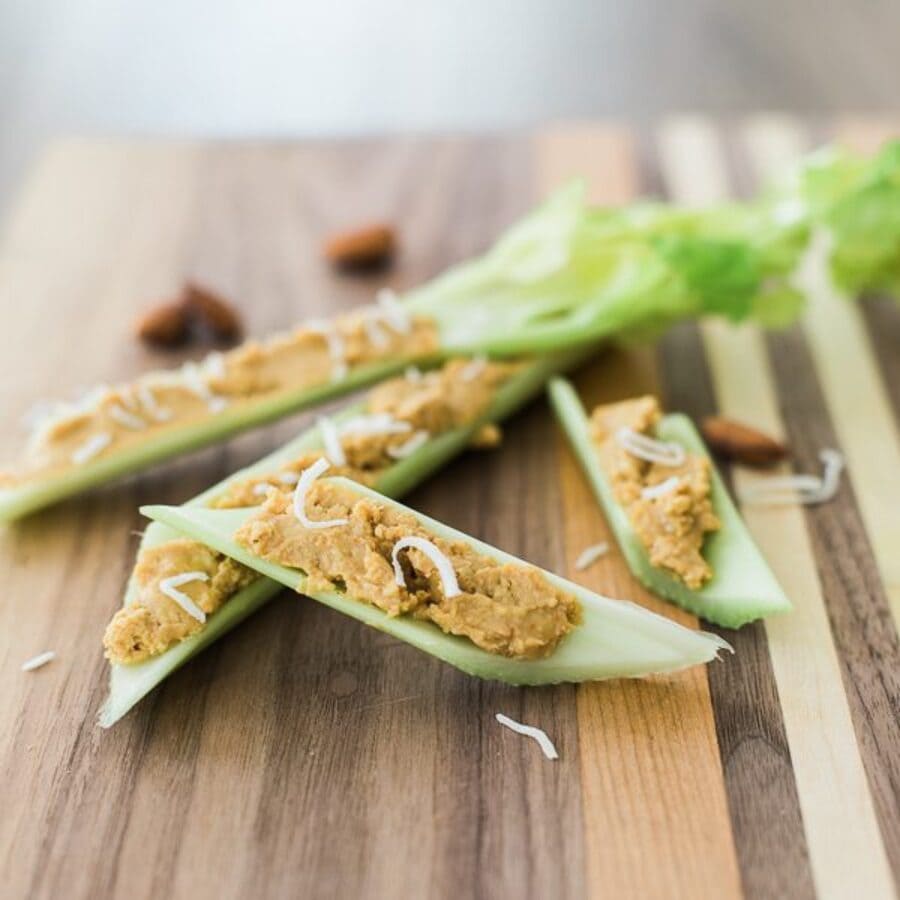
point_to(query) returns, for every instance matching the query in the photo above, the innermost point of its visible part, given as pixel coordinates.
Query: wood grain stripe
(830, 776)
(850, 410)
(656, 816)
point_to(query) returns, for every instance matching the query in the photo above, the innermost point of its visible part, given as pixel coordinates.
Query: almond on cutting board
(165, 325)
(368, 247)
(212, 311)
(741, 443)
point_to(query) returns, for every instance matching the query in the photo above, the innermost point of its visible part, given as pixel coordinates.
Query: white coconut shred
(169, 586)
(306, 479)
(536, 734)
(647, 448)
(445, 568)
(806, 490)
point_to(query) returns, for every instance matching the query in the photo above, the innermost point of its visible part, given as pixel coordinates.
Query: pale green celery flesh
(34, 495)
(616, 639)
(129, 684)
(742, 588)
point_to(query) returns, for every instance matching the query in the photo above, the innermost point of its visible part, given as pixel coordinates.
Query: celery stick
(616, 639)
(130, 683)
(33, 495)
(743, 587)
(568, 274)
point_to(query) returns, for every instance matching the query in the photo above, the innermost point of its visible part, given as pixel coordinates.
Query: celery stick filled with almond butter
(183, 595)
(565, 276)
(463, 601)
(670, 512)
(399, 422)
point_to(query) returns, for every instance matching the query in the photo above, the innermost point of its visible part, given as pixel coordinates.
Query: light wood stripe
(831, 781)
(650, 767)
(857, 400)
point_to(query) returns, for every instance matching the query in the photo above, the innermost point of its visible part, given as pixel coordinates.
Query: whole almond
(367, 247)
(164, 325)
(212, 311)
(741, 443)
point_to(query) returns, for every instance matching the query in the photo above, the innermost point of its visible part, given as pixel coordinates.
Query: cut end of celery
(743, 587)
(130, 684)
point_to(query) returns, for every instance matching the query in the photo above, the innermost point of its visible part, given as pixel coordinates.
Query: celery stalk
(568, 275)
(743, 587)
(21, 500)
(130, 683)
(616, 639)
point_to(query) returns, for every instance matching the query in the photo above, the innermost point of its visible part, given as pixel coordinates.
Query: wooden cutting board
(307, 756)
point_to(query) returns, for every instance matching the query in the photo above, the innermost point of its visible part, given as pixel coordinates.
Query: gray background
(282, 68)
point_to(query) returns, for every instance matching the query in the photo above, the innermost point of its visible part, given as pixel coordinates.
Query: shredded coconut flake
(169, 586)
(661, 489)
(214, 366)
(442, 564)
(645, 447)
(331, 441)
(91, 447)
(307, 477)
(374, 331)
(125, 418)
(288, 477)
(473, 368)
(408, 447)
(377, 423)
(536, 734)
(148, 401)
(336, 350)
(37, 661)
(262, 488)
(394, 311)
(195, 380)
(413, 374)
(807, 490)
(590, 555)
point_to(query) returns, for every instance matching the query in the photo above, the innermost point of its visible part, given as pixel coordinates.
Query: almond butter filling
(509, 609)
(669, 506)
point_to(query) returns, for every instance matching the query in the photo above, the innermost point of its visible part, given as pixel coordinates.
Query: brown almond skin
(213, 312)
(368, 247)
(164, 325)
(741, 443)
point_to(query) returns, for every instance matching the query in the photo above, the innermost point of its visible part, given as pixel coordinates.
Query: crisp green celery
(569, 274)
(33, 495)
(743, 587)
(616, 639)
(856, 202)
(130, 683)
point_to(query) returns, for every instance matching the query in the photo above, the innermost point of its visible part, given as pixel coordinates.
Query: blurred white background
(237, 67)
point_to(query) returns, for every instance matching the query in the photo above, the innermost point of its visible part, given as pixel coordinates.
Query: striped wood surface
(305, 755)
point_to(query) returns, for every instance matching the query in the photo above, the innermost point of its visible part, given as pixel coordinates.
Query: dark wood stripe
(756, 760)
